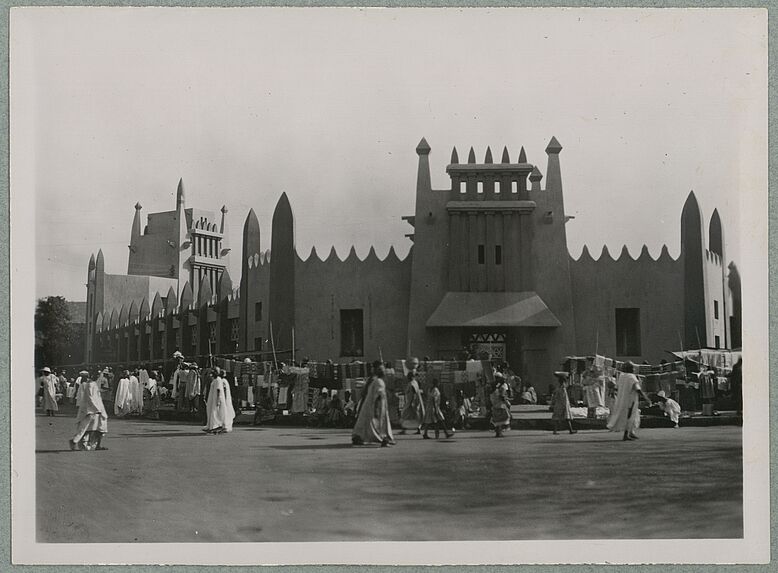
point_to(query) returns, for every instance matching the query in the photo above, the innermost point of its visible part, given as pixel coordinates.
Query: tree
(52, 331)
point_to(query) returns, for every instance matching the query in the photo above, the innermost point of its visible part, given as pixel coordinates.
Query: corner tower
(282, 274)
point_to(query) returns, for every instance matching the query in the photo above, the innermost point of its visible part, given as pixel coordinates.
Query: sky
(328, 105)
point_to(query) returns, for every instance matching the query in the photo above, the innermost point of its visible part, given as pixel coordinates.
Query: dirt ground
(169, 482)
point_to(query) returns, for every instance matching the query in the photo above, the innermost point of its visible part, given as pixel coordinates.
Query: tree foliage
(52, 331)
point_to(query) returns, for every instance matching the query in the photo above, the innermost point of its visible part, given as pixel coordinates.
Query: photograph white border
(753, 548)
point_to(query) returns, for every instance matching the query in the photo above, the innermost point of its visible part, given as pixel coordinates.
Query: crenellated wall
(380, 287)
(487, 234)
(600, 286)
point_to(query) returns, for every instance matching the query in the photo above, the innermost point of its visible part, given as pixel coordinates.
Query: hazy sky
(329, 104)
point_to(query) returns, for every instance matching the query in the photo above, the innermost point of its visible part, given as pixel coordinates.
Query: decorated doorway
(492, 344)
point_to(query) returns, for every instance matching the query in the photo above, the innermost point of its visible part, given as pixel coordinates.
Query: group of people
(208, 393)
(622, 397)
(330, 410)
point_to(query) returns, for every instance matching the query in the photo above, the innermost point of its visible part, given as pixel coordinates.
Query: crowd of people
(206, 394)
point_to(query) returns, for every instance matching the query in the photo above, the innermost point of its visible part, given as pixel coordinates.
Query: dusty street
(165, 482)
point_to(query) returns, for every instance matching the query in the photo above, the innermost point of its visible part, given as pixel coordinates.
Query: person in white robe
(413, 413)
(219, 406)
(193, 389)
(670, 407)
(625, 415)
(49, 383)
(136, 394)
(151, 395)
(373, 425)
(92, 419)
(122, 404)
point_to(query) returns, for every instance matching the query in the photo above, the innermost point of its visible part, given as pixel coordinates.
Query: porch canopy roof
(492, 309)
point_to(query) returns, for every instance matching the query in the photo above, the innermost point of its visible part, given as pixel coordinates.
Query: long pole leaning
(273, 345)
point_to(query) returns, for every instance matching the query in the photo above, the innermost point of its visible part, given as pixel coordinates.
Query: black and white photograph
(392, 286)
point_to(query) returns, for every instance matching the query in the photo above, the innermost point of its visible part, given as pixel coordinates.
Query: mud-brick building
(489, 269)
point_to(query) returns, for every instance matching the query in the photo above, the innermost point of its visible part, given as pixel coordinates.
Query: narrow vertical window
(481, 254)
(496, 186)
(718, 342)
(480, 187)
(257, 311)
(514, 187)
(463, 187)
(351, 332)
(716, 310)
(628, 332)
(498, 254)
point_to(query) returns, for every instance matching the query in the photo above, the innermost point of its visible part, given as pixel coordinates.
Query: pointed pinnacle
(471, 156)
(423, 148)
(553, 146)
(454, 156)
(138, 206)
(488, 158)
(522, 156)
(505, 157)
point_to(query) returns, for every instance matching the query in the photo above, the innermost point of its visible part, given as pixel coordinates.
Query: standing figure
(464, 406)
(372, 425)
(433, 415)
(92, 419)
(707, 391)
(49, 384)
(220, 410)
(561, 404)
(193, 389)
(413, 413)
(151, 396)
(349, 409)
(122, 404)
(625, 415)
(501, 407)
(175, 380)
(136, 394)
(736, 385)
(62, 384)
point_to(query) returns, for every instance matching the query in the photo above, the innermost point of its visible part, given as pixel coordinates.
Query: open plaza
(164, 481)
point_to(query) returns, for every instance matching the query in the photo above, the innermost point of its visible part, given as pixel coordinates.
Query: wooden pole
(273, 346)
(293, 345)
(597, 342)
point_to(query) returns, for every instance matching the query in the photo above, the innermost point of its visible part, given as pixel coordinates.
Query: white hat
(47, 370)
(661, 394)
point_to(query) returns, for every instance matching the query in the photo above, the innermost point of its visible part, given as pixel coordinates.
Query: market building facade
(489, 270)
